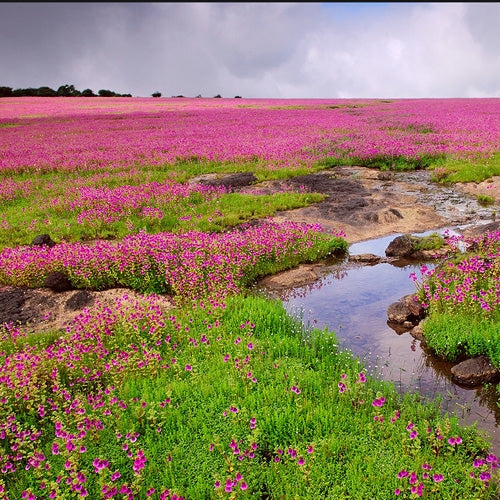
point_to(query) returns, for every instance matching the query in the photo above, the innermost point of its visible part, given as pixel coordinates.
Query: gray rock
(475, 371)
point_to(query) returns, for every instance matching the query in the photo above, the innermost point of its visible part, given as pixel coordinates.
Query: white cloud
(255, 49)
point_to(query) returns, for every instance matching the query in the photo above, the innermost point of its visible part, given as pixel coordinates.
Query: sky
(255, 50)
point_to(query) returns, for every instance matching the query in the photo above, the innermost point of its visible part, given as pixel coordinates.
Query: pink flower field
(41, 134)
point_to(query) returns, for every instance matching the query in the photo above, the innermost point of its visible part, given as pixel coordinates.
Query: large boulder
(474, 371)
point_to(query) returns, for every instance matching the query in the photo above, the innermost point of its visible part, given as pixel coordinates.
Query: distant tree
(46, 92)
(237, 97)
(106, 93)
(68, 91)
(28, 92)
(156, 94)
(5, 91)
(126, 95)
(88, 93)
(218, 96)
(198, 96)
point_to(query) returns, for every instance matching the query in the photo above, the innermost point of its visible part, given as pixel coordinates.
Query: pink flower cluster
(192, 264)
(52, 134)
(473, 285)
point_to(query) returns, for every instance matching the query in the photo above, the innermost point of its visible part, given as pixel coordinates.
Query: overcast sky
(275, 50)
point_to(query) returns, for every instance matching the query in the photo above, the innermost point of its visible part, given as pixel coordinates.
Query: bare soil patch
(364, 203)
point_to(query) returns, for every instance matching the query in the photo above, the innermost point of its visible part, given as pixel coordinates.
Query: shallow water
(352, 301)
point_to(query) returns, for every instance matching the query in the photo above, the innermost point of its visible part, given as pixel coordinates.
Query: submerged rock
(367, 258)
(475, 371)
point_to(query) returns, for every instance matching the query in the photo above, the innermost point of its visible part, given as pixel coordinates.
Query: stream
(352, 301)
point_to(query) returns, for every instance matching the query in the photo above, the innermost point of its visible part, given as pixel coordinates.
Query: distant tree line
(62, 91)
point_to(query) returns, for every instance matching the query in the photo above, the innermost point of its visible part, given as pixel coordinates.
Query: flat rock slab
(474, 372)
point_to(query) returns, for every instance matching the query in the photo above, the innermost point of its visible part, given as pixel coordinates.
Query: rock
(58, 282)
(475, 371)
(79, 300)
(401, 246)
(366, 258)
(239, 179)
(406, 309)
(398, 312)
(414, 305)
(43, 239)
(417, 333)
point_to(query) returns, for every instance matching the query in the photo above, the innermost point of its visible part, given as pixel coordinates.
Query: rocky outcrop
(475, 371)
(408, 246)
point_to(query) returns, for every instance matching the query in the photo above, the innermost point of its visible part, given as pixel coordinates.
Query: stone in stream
(474, 371)
(367, 258)
(407, 309)
(401, 246)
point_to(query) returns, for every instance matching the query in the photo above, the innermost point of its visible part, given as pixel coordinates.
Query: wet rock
(475, 371)
(414, 305)
(43, 239)
(399, 328)
(58, 282)
(367, 258)
(417, 333)
(401, 246)
(398, 312)
(79, 300)
(406, 309)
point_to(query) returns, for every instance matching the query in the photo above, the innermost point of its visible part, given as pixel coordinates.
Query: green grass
(40, 211)
(383, 162)
(433, 241)
(189, 423)
(452, 336)
(484, 199)
(467, 170)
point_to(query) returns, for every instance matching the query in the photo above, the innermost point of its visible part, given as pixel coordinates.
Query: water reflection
(352, 301)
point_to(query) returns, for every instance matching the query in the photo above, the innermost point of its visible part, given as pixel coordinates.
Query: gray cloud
(255, 49)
